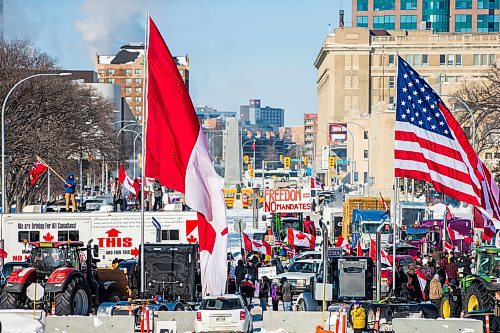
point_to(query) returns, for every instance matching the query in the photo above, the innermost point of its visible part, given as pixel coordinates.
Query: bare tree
(56, 118)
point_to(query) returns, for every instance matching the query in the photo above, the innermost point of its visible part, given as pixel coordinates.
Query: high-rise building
(126, 68)
(310, 130)
(364, 98)
(265, 117)
(436, 15)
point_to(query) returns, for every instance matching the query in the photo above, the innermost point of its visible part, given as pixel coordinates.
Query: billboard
(287, 200)
(338, 132)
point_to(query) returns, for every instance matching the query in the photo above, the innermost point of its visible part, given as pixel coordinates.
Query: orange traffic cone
(53, 309)
(147, 317)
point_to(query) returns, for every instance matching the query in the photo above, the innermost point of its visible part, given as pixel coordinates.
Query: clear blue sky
(239, 49)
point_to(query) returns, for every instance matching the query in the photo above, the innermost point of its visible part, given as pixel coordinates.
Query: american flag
(289, 250)
(431, 146)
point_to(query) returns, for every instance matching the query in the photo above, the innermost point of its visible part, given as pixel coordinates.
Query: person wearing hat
(435, 290)
(247, 288)
(69, 191)
(358, 316)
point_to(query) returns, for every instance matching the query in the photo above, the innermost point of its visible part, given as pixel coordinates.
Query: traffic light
(331, 162)
(246, 159)
(286, 162)
(281, 157)
(251, 173)
(306, 160)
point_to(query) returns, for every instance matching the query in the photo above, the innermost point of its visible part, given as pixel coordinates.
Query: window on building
(408, 4)
(425, 60)
(492, 59)
(138, 71)
(111, 81)
(365, 177)
(484, 59)
(385, 22)
(138, 118)
(128, 90)
(417, 60)
(488, 4)
(487, 23)
(489, 156)
(365, 153)
(138, 81)
(362, 5)
(138, 108)
(391, 81)
(128, 99)
(101, 80)
(128, 81)
(463, 4)
(138, 90)
(442, 59)
(365, 135)
(384, 4)
(101, 72)
(391, 59)
(138, 99)
(111, 71)
(408, 22)
(391, 99)
(362, 21)
(497, 155)
(458, 59)
(409, 59)
(451, 60)
(463, 23)
(128, 72)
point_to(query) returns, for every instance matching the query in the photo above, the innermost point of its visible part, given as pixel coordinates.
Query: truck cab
(364, 226)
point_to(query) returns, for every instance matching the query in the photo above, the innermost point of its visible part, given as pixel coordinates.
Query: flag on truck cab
(455, 235)
(37, 169)
(343, 244)
(257, 246)
(177, 154)
(431, 146)
(385, 258)
(126, 181)
(297, 238)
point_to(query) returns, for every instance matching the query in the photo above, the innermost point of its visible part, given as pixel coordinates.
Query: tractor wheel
(445, 307)
(9, 300)
(478, 298)
(74, 300)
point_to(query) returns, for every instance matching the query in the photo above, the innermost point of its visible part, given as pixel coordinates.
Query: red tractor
(60, 273)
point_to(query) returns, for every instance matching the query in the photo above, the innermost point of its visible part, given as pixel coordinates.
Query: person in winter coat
(158, 194)
(252, 270)
(286, 294)
(414, 286)
(69, 191)
(435, 290)
(247, 288)
(264, 292)
(358, 315)
(441, 271)
(455, 299)
(239, 272)
(401, 281)
(275, 296)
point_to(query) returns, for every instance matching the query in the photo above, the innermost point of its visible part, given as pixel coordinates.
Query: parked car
(226, 313)
(299, 274)
(94, 204)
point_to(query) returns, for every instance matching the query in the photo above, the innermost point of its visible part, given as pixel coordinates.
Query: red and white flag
(297, 238)
(448, 247)
(482, 221)
(431, 146)
(489, 230)
(343, 243)
(37, 169)
(257, 246)
(359, 250)
(126, 181)
(386, 208)
(315, 184)
(455, 235)
(385, 258)
(448, 214)
(422, 281)
(177, 154)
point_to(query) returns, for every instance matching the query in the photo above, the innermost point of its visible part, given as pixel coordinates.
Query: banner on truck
(287, 200)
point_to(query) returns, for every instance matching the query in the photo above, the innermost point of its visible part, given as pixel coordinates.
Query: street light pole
(4, 106)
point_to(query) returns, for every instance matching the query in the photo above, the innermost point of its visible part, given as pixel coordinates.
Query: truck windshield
(303, 267)
(489, 264)
(416, 236)
(371, 228)
(48, 257)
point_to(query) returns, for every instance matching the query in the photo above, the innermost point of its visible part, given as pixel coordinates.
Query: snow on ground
(21, 321)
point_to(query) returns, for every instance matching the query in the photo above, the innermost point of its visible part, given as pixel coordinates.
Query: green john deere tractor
(478, 290)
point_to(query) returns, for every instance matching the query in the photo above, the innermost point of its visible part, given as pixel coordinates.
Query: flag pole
(394, 230)
(144, 129)
(48, 166)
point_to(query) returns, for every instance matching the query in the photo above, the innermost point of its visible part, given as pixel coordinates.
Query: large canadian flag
(385, 258)
(422, 281)
(455, 235)
(343, 243)
(257, 246)
(177, 154)
(297, 238)
(126, 181)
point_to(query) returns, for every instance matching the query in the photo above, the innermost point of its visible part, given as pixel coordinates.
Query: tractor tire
(9, 300)
(74, 300)
(445, 307)
(478, 298)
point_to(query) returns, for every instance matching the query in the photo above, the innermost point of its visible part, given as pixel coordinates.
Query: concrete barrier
(184, 319)
(81, 324)
(13, 321)
(455, 325)
(292, 321)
